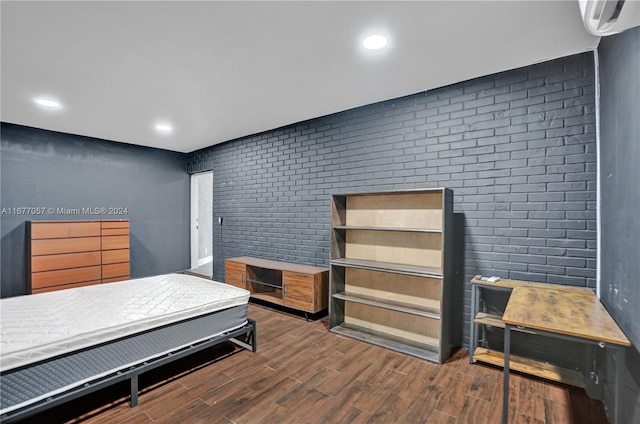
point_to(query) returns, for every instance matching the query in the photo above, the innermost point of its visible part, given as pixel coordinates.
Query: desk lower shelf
(531, 367)
(496, 321)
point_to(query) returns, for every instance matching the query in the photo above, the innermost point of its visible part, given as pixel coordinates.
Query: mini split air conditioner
(606, 17)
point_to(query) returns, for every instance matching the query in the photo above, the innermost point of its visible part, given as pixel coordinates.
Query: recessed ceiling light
(163, 128)
(374, 42)
(48, 103)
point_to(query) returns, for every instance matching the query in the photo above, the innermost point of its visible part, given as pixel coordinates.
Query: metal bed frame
(166, 344)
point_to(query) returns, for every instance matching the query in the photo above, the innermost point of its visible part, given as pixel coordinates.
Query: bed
(60, 345)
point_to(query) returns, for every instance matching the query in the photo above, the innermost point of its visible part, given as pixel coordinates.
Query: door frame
(193, 221)
(194, 224)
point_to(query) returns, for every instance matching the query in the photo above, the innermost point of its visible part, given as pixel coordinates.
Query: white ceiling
(222, 70)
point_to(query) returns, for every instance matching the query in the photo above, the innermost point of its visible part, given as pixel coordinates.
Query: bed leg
(248, 340)
(134, 391)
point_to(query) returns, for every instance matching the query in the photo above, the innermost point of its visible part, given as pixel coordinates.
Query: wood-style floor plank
(265, 401)
(197, 412)
(454, 394)
(483, 383)
(475, 410)
(525, 419)
(304, 374)
(365, 396)
(417, 412)
(530, 401)
(556, 413)
(268, 414)
(438, 417)
(349, 415)
(163, 400)
(390, 410)
(141, 418)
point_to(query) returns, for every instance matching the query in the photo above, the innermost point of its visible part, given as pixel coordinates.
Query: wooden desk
(573, 314)
(525, 365)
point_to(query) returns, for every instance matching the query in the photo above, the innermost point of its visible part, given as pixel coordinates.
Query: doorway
(202, 223)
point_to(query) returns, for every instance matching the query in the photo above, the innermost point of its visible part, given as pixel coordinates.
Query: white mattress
(40, 326)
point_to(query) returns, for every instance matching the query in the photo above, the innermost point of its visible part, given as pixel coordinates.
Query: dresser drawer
(65, 286)
(115, 232)
(64, 261)
(52, 230)
(115, 224)
(115, 242)
(69, 245)
(66, 276)
(115, 270)
(115, 256)
(116, 279)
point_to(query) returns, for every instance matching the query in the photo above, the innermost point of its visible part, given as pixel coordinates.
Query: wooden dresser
(66, 254)
(295, 286)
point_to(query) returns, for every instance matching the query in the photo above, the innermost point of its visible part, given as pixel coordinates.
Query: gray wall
(48, 169)
(517, 148)
(620, 212)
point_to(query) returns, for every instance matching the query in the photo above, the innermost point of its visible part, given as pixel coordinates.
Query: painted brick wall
(517, 148)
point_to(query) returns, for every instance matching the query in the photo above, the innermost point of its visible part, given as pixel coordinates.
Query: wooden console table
(295, 286)
(565, 313)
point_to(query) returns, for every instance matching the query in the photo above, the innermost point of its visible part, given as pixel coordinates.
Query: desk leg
(619, 383)
(474, 328)
(507, 353)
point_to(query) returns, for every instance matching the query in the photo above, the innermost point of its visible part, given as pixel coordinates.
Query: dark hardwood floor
(302, 373)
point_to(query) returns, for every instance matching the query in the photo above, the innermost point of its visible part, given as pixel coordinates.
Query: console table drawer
(298, 290)
(235, 278)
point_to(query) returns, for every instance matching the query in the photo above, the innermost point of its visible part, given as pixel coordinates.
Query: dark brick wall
(517, 148)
